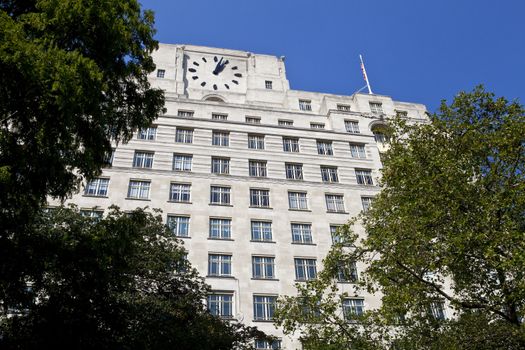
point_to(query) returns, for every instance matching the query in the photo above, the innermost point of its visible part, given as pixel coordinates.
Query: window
(182, 162)
(257, 168)
(253, 120)
(161, 73)
(353, 308)
(221, 305)
(324, 147)
(219, 265)
(220, 228)
(220, 165)
(344, 108)
(220, 138)
(366, 202)
(148, 133)
(347, 272)
(97, 187)
(329, 174)
(376, 107)
(352, 126)
(263, 307)
(92, 214)
(305, 269)
(263, 267)
(108, 159)
(316, 125)
(138, 189)
(268, 84)
(255, 141)
(266, 345)
(357, 150)
(380, 137)
(305, 105)
(294, 171)
(302, 233)
(259, 198)
(290, 144)
(437, 310)
(261, 231)
(335, 203)
(184, 135)
(219, 116)
(220, 195)
(185, 114)
(283, 122)
(336, 238)
(364, 177)
(179, 225)
(143, 159)
(402, 114)
(297, 200)
(180, 192)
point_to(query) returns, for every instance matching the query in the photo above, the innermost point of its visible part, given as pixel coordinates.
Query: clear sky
(414, 50)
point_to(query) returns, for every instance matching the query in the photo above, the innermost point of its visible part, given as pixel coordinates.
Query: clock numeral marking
(204, 59)
(227, 86)
(195, 77)
(214, 87)
(215, 58)
(235, 82)
(195, 63)
(238, 75)
(193, 70)
(235, 68)
(203, 83)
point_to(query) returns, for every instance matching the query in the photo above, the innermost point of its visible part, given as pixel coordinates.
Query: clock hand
(223, 65)
(220, 66)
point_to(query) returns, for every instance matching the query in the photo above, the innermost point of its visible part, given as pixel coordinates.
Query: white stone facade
(259, 91)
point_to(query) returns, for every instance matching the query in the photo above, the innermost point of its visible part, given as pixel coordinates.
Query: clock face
(215, 72)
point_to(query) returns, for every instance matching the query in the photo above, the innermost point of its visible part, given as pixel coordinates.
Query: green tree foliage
(73, 76)
(448, 226)
(121, 282)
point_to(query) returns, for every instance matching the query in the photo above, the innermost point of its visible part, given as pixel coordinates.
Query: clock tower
(215, 72)
(205, 73)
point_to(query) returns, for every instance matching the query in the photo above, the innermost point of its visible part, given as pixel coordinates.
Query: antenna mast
(365, 75)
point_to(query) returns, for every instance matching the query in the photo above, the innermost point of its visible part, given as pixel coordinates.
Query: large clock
(215, 72)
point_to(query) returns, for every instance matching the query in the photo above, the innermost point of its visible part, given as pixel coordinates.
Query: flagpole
(365, 75)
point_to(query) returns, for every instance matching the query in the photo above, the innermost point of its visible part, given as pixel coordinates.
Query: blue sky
(414, 50)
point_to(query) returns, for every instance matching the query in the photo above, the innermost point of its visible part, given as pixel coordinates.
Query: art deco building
(253, 176)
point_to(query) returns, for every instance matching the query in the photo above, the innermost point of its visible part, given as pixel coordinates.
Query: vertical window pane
(138, 189)
(220, 195)
(364, 177)
(220, 228)
(335, 203)
(353, 308)
(325, 148)
(305, 269)
(301, 233)
(179, 225)
(290, 144)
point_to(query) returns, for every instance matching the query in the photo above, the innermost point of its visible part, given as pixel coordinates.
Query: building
(254, 177)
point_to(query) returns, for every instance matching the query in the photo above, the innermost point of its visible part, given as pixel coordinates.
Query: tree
(73, 77)
(447, 229)
(121, 282)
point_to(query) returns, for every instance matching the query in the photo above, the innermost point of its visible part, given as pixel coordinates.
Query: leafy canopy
(448, 227)
(74, 76)
(121, 282)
